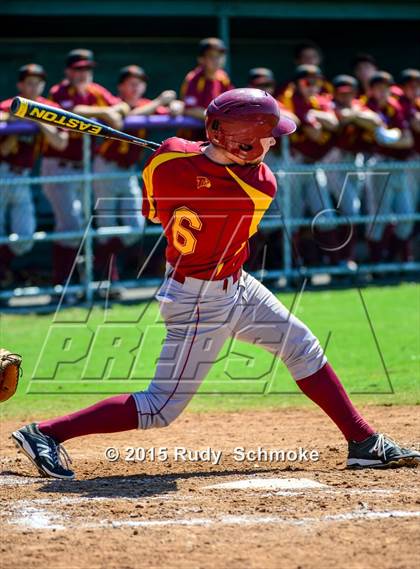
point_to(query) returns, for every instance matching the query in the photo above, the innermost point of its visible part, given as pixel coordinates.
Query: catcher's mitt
(9, 373)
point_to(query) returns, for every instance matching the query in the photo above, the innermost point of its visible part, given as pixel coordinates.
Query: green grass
(84, 342)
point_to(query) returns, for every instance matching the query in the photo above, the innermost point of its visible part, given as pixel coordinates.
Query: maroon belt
(180, 278)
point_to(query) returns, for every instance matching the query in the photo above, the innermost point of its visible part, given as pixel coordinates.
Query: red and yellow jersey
(411, 109)
(68, 97)
(198, 91)
(288, 88)
(393, 116)
(352, 137)
(208, 211)
(26, 147)
(300, 106)
(120, 151)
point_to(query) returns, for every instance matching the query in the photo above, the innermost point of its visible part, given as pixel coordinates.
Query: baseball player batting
(210, 197)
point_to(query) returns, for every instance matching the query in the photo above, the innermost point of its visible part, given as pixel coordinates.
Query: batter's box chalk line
(11, 480)
(36, 518)
(269, 484)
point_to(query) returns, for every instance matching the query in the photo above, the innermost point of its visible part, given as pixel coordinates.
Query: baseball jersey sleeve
(188, 91)
(103, 97)
(5, 105)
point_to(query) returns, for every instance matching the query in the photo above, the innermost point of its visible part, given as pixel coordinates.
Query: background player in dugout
(263, 78)
(77, 93)
(352, 140)
(409, 99)
(120, 200)
(204, 83)
(396, 192)
(209, 198)
(18, 153)
(305, 53)
(312, 141)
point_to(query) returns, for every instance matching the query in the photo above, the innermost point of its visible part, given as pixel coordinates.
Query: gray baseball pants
(199, 317)
(17, 202)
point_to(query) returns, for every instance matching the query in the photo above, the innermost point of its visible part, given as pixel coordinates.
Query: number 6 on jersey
(183, 238)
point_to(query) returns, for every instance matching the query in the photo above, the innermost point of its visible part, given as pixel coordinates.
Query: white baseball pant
(17, 201)
(199, 317)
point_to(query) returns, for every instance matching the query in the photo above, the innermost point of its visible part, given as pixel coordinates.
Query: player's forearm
(58, 139)
(147, 109)
(405, 142)
(195, 112)
(101, 112)
(90, 111)
(123, 108)
(367, 119)
(327, 120)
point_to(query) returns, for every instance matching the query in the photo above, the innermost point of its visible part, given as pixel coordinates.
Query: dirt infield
(173, 513)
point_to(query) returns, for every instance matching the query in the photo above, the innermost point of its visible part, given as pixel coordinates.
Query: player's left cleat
(380, 451)
(49, 457)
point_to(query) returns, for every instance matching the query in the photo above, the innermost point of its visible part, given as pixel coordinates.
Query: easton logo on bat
(66, 122)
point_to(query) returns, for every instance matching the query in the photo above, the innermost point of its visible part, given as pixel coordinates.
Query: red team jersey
(68, 97)
(393, 116)
(27, 147)
(121, 152)
(300, 107)
(208, 211)
(410, 109)
(351, 137)
(287, 89)
(199, 91)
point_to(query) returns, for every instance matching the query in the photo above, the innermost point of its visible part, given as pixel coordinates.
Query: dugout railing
(283, 221)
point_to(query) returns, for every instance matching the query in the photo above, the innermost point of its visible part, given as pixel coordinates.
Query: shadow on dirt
(138, 485)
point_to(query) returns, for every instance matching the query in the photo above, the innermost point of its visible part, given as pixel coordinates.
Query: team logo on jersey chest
(203, 182)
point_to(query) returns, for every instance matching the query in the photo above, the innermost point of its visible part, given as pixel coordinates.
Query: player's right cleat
(380, 451)
(47, 455)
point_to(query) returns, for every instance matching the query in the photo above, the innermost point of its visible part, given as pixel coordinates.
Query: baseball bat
(38, 112)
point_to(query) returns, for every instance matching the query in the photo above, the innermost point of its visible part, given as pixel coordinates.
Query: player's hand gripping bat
(38, 112)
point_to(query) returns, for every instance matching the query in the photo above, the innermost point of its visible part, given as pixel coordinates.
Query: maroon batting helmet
(238, 119)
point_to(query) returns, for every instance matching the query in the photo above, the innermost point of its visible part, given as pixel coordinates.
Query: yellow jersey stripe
(240, 248)
(150, 169)
(261, 201)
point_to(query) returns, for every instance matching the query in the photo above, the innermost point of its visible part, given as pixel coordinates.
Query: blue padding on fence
(130, 123)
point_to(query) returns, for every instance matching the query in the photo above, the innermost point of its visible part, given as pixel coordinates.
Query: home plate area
(236, 514)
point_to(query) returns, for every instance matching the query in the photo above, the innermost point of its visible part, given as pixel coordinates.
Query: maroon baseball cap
(211, 43)
(80, 59)
(132, 71)
(31, 69)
